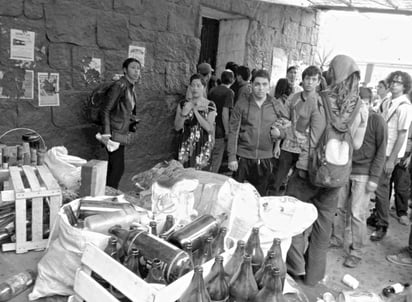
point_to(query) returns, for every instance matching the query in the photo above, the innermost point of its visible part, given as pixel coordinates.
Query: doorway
(209, 39)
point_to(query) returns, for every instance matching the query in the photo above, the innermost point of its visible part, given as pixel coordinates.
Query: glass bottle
(16, 284)
(153, 227)
(254, 249)
(260, 274)
(243, 287)
(169, 223)
(205, 253)
(132, 261)
(272, 290)
(188, 249)
(176, 261)
(195, 231)
(235, 261)
(196, 292)
(111, 248)
(216, 283)
(156, 273)
(218, 244)
(278, 261)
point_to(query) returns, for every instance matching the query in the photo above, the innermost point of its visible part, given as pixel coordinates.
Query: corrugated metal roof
(378, 6)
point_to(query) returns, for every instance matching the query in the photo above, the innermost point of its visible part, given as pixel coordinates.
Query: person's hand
(233, 165)
(105, 138)
(371, 186)
(187, 108)
(389, 166)
(274, 132)
(276, 153)
(405, 161)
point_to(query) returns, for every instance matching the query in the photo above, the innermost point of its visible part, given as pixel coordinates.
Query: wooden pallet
(129, 284)
(35, 183)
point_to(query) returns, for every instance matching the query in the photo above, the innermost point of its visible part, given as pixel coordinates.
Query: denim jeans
(402, 183)
(313, 261)
(352, 210)
(382, 201)
(217, 154)
(287, 160)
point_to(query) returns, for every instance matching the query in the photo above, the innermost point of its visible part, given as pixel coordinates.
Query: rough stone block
(291, 29)
(128, 6)
(77, 27)
(152, 81)
(305, 34)
(182, 19)
(177, 77)
(293, 13)
(60, 56)
(114, 59)
(97, 4)
(33, 10)
(218, 4)
(271, 15)
(112, 31)
(315, 36)
(177, 48)
(141, 34)
(308, 18)
(11, 8)
(245, 7)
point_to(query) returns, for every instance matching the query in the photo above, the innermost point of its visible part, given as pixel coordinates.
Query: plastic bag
(57, 268)
(65, 168)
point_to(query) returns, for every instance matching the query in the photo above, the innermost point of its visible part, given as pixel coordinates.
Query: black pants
(255, 171)
(287, 160)
(115, 167)
(402, 183)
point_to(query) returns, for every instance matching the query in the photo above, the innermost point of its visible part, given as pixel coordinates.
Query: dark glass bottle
(176, 261)
(218, 244)
(205, 253)
(169, 223)
(153, 227)
(111, 248)
(235, 261)
(243, 287)
(196, 292)
(195, 231)
(132, 262)
(188, 249)
(254, 249)
(216, 283)
(278, 261)
(272, 290)
(156, 274)
(269, 261)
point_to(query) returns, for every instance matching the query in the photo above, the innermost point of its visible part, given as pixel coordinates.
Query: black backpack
(95, 101)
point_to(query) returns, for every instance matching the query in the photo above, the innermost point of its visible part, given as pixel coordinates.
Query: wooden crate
(129, 284)
(35, 183)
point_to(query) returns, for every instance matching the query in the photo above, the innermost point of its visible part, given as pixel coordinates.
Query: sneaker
(404, 220)
(352, 261)
(401, 259)
(379, 234)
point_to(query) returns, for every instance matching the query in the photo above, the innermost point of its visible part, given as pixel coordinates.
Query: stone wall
(68, 33)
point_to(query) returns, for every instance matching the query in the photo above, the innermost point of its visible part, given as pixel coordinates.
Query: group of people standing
(265, 136)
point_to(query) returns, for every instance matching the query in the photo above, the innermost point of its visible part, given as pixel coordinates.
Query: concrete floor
(374, 273)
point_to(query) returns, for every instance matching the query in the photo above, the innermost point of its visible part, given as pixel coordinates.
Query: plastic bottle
(176, 261)
(243, 286)
(156, 274)
(215, 281)
(394, 289)
(235, 261)
(102, 222)
(16, 284)
(272, 290)
(196, 232)
(254, 249)
(218, 244)
(196, 292)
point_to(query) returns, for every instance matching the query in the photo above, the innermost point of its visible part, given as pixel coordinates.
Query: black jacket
(118, 110)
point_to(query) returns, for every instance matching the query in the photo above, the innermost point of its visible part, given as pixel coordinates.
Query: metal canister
(358, 296)
(95, 207)
(33, 139)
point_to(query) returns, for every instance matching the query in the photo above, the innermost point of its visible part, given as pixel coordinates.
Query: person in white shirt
(397, 112)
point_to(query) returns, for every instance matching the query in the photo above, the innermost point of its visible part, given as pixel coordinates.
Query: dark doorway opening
(209, 40)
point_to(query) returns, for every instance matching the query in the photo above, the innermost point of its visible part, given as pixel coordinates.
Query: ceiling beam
(365, 9)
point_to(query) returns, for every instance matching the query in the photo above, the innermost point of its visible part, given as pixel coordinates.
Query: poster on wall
(137, 52)
(48, 89)
(21, 45)
(27, 86)
(92, 69)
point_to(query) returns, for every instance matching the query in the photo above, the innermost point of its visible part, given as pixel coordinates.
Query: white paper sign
(28, 85)
(21, 45)
(137, 52)
(48, 89)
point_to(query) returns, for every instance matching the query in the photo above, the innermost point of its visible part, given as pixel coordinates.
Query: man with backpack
(397, 112)
(367, 167)
(336, 124)
(118, 118)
